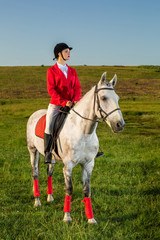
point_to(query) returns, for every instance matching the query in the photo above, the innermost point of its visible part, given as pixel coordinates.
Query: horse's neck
(86, 109)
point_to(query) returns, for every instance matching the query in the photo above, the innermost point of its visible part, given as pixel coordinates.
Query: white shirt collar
(63, 68)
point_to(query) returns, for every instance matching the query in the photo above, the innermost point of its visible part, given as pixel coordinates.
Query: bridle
(98, 102)
(96, 97)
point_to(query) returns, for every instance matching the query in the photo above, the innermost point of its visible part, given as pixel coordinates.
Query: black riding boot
(99, 154)
(47, 148)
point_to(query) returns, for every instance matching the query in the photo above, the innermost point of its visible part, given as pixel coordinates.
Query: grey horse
(77, 141)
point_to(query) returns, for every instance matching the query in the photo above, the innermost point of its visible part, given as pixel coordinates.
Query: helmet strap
(63, 57)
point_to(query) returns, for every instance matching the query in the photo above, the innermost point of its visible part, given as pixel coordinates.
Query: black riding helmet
(59, 48)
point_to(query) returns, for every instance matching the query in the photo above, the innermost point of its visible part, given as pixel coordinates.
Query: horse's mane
(84, 96)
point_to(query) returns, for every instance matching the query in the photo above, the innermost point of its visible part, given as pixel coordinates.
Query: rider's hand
(69, 104)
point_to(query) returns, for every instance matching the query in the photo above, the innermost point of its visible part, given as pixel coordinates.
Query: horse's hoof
(37, 202)
(50, 198)
(67, 218)
(92, 221)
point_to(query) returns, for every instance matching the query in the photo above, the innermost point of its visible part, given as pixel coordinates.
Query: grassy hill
(30, 82)
(125, 181)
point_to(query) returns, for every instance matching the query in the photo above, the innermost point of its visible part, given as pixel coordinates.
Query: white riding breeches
(52, 111)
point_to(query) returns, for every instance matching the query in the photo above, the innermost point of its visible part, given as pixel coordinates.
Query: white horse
(77, 141)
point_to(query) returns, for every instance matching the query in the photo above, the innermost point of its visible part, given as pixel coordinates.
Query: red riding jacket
(62, 89)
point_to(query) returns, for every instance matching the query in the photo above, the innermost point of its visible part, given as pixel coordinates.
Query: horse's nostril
(119, 125)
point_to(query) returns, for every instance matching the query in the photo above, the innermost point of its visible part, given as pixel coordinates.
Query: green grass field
(125, 181)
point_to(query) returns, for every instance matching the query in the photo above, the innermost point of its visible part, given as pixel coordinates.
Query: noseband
(99, 106)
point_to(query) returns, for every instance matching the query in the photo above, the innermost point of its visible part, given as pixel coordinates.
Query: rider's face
(65, 53)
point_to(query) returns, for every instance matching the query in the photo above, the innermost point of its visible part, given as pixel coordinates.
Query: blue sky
(104, 32)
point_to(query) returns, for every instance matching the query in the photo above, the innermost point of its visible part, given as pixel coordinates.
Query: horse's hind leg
(49, 188)
(35, 160)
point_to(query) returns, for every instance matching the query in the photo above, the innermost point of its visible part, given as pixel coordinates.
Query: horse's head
(107, 104)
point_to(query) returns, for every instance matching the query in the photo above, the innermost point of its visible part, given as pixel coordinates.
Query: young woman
(63, 87)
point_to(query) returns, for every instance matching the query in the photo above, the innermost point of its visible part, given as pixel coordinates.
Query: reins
(85, 117)
(99, 106)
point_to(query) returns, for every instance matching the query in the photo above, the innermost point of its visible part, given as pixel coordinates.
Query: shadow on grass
(154, 192)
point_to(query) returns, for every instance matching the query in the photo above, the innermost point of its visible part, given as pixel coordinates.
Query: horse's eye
(104, 98)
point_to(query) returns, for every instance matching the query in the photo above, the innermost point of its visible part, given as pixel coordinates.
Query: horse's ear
(114, 80)
(103, 78)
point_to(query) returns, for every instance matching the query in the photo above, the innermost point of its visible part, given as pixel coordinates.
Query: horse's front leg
(67, 171)
(49, 188)
(86, 175)
(35, 159)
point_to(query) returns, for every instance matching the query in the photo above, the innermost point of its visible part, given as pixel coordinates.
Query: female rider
(63, 87)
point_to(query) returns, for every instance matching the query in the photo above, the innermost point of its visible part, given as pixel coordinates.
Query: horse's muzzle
(117, 126)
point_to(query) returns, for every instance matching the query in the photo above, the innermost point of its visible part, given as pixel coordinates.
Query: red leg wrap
(36, 188)
(67, 204)
(49, 189)
(88, 208)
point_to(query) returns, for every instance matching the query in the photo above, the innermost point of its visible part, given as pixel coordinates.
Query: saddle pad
(40, 127)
